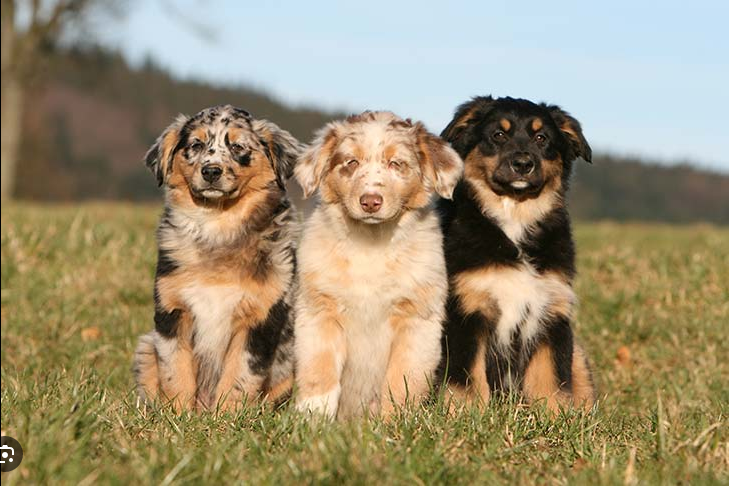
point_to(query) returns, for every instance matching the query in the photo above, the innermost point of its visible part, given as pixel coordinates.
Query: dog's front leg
(414, 356)
(320, 347)
(238, 381)
(177, 371)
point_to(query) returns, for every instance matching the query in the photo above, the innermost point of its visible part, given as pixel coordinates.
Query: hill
(87, 128)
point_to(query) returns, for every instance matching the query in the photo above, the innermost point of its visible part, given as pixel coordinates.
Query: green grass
(661, 291)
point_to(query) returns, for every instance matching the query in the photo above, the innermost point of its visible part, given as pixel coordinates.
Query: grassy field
(76, 293)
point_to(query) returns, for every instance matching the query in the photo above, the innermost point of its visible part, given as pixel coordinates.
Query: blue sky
(644, 78)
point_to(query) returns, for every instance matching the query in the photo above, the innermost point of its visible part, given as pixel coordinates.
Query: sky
(645, 78)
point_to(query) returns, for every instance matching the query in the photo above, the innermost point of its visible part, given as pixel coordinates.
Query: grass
(76, 293)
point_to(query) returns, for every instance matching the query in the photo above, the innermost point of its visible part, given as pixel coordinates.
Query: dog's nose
(212, 173)
(522, 164)
(371, 202)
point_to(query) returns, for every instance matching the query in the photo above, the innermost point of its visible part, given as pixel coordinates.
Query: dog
(510, 256)
(225, 283)
(372, 281)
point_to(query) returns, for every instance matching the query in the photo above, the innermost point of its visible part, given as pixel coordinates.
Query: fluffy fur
(510, 255)
(224, 283)
(372, 288)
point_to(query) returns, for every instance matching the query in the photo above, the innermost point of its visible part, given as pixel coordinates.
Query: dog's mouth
(213, 193)
(372, 219)
(520, 184)
(517, 186)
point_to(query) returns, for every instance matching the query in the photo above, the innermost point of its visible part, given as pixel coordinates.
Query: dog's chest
(212, 308)
(375, 281)
(223, 300)
(522, 297)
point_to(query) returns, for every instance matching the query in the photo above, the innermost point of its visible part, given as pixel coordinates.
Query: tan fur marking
(402, 383)
(280, 391)
(583, 390)
(467, 117)
(505, 124)
(540, 379)
(478, 382)
(537, 124)
(472, 300)
(321, 374)
(227, 395)
(181, 386)
(478, 170)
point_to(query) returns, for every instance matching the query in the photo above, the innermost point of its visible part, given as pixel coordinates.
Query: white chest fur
(366, 277)
(524, 298)
(212, 308)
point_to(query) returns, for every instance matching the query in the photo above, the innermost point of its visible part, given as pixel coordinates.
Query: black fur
(559, 336)
(263, 339)
(459, 342)
(166, 323)
(165, 263)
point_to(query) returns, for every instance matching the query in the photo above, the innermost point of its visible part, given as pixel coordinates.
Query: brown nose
(371, 203)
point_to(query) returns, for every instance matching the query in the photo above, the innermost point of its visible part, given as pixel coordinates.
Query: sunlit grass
(76, 293)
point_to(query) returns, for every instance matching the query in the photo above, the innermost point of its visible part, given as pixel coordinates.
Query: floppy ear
(314, 159)
(282, 147)
(440, 163)
(457, 129)
(159, 157)
(573, 131)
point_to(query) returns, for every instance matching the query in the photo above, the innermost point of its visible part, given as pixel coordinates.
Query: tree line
(87, 126)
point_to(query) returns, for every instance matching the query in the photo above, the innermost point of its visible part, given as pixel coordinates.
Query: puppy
(370, 305)
(510, 255)
(224, 283)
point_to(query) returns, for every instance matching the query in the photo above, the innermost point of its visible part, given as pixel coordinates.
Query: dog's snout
(522, 164)
(371, 202)
(211, 173)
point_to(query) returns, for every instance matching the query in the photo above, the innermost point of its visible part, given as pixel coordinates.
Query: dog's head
(221, 153)
(377, 166)
(518, 148)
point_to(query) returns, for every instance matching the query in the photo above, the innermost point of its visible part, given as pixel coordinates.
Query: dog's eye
(352, 163)
(499, 135)
(236, 147)
(540, 138)
(394, 164)
(197, 146)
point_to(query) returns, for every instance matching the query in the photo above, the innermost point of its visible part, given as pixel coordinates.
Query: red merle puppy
(510, 255)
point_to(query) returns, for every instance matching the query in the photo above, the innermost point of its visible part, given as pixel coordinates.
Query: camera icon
(11, 454)
(6, 456)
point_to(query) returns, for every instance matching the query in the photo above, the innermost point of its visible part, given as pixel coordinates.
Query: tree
(23, 49)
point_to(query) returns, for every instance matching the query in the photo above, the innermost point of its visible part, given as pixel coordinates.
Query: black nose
(211, 173)
(522, 164)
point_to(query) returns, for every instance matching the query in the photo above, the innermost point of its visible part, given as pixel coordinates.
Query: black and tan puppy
(225, 268)
(510, 255)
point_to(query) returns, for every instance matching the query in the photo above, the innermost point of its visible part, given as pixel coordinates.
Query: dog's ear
(314, 159)
(159, 157)
(457, 130)
(571, 128)
(440, 164)
(282, 148)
